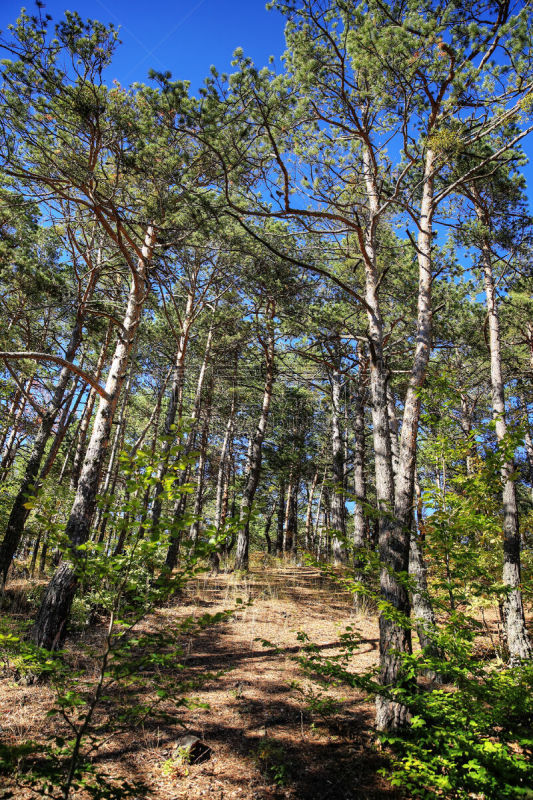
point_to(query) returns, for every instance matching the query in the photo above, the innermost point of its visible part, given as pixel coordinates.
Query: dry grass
(265, 743)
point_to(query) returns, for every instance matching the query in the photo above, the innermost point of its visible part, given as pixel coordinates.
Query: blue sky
(183, 36)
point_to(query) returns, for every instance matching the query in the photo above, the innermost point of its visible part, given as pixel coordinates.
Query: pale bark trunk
(516, 634)
(359, 485)
(291, 513)
(528, 441)
(12, 413)
(8, 449)
(338, 509)
(309, 513)
(107, 488)
(200, 477)
(64, 424)
(424, 616)
(28, 487)
(280, 518)
(316, 528)
(50, 626)
(394, 637)
(88, 412)
(223, 479)
(181, 502)
(175, 407)
(253, 467)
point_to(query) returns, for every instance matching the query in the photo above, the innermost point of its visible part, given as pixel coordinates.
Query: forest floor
(265, 741)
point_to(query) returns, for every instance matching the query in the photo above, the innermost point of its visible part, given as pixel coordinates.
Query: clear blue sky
(183, 36)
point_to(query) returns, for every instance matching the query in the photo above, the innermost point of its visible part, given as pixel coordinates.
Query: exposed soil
(265, 742)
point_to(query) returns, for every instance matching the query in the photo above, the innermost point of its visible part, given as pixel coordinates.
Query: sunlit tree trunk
(359, 486)
(516, 633)
(28, 486)
(253, 467)
(50, 626)
(88, 412)
(338, 509)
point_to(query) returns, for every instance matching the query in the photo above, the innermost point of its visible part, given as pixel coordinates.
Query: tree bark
(6, 459)
(338, 508)
(359, 486)
(175, 406)
(280, 517)
(253, 467)
(181, 501)
(50, 626)
(309, 512)
(28, 486)
(223, 479)
(394, 637)
(516, 634)
(88, 412)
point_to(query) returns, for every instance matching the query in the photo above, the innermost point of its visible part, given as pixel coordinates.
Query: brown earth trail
(265, 740)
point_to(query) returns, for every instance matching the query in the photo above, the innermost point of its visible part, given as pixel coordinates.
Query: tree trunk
(6, 459)
(338, 508)
(223, 479)
(50, 626)
(88, 412)
(107, 490)
(291, 513)
(65, 422)
(309, 513)
(28, 487)
(280, 518)
(253, 467)
(200, 477)
(394, 637)
(359, 486)
(516, 634)
(175, 407)
(181, 501)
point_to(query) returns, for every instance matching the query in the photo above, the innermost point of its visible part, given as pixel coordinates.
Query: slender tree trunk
(108, 487)
(50, 626)
(181, 502)
(516, 634)
(200, 477)
(280, 518)
(338, 508)
(8, 449)
(65, 422)
(12, 413)
(175, 407)
(528, 441)
(316, 528)
(223, 479)
(309, 512)
(268, 525)
(253, 467)
(359, 486)
(291, 512)
(394, 636)
(421, 602)
(88, 412)
(28, 487)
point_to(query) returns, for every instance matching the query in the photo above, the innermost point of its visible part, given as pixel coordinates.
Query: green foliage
(473, 737)
(272, 759)
(139, 674)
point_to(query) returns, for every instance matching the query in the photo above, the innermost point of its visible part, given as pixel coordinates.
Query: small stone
(191, 749)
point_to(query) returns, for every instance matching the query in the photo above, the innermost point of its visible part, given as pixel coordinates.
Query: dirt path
(265, 742)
